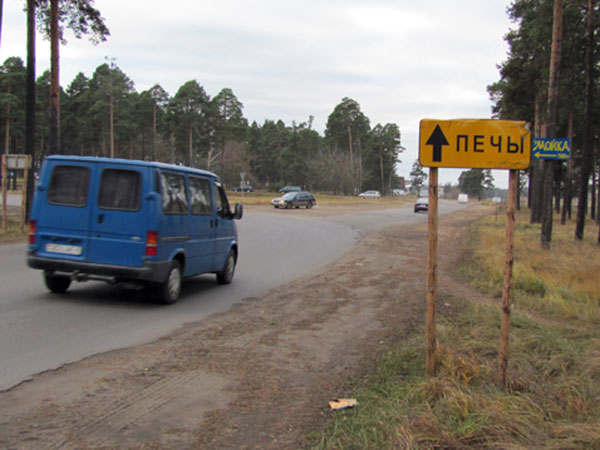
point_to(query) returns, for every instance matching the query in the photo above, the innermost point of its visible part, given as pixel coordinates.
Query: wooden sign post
(14, 162)
(4, 196)
(513, 180)
(478, 144)
(431, 269)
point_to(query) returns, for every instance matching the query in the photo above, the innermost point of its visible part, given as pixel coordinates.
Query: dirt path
(258, 376)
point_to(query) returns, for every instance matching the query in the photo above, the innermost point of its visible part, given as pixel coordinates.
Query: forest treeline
(550, 79)
(104, 115)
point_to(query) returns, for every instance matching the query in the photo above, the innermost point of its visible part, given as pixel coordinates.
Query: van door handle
(100, 218)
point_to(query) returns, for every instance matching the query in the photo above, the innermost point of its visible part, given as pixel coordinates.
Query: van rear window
(120, 189)
(69, 186)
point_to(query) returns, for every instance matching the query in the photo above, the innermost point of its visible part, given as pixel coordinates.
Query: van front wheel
(169, 290)
(56, 283)
(226, 275)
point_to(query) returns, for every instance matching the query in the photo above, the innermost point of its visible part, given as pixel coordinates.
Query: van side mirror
(239, 211)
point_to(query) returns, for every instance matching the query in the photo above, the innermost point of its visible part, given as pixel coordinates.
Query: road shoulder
(257, 376)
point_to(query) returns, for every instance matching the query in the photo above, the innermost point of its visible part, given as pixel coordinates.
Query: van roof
(129, 162)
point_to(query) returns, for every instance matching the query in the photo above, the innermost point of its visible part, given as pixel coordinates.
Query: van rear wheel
(56, 283)
(226, 275)
(169, 290)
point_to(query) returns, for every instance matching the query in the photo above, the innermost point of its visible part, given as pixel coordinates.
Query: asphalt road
(42, 331)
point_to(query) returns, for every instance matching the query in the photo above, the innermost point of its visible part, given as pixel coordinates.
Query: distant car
(422, 204)
(294, 200)
(246, 188)
(370, 194)
(399, 192)
(463, 198)
(286, 189)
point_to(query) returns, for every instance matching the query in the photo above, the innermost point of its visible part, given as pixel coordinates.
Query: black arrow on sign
(437, 140)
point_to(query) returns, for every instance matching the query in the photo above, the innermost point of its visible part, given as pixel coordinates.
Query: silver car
(370, 194)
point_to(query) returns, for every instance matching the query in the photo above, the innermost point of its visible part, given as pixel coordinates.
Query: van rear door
(63, 215)
(120, 218)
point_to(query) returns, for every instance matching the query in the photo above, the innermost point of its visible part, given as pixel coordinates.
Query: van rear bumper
(154, 272)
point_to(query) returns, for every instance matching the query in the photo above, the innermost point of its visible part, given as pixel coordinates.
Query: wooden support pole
(23, 213)
(431, 270)
(508, 269)
(4, 196)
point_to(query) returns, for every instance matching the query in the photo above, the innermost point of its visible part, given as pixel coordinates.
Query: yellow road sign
(474, 143)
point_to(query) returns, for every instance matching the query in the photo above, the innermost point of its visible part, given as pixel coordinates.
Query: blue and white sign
(551, 148)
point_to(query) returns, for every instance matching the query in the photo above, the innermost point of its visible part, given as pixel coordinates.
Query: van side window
(172, 189)
(222, 203)
(200, 195)
(120, 189)
(69, 186)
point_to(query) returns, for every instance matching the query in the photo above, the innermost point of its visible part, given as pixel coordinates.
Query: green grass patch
(551, 400)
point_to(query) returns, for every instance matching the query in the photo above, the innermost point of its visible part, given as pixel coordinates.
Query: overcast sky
(401, 60)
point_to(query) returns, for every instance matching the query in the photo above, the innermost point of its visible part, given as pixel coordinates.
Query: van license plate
(65, 249)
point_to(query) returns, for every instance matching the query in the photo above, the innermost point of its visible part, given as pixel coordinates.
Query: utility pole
(30, 99)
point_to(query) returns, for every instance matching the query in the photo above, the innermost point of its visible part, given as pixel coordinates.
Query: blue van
(126, 221)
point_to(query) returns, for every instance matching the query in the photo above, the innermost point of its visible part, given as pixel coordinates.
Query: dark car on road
(294, 200)
(246, 188)
(422, 204)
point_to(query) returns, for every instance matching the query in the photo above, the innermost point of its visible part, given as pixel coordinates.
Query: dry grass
(551, 400)
(563, 282)
(13, 228)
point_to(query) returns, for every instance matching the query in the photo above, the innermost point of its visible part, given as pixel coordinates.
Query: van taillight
(151, 243)
(32, 226)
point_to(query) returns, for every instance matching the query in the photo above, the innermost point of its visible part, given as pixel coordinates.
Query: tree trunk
(593, 196)
(568, 180)
(551, 116)
(111, 117)
(190, 141)
(381, 173)
(154, 132)
(54, 80)
(530, 184)
(587, 137)
(598, 203)
(598, 218)
(143, 155)
(7, 125)
(535, 173)
(351, 157)
(1, 9)
(30, 99)
(558, 176)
